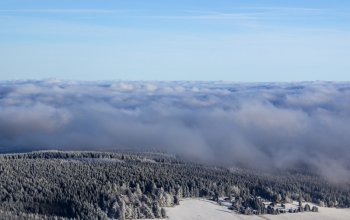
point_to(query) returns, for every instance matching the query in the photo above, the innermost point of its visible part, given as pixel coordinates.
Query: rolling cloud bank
(262, 125)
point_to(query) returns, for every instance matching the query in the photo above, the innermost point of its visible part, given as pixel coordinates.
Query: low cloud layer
(263, 125)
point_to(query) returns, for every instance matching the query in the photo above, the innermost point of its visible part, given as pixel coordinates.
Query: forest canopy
(126, 185)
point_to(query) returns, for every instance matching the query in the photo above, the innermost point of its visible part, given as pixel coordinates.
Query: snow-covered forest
(130, 185)
(177, 110)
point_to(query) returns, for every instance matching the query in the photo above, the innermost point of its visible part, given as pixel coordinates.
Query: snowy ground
(195, 209)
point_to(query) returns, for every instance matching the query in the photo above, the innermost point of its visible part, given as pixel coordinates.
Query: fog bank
(259, 125)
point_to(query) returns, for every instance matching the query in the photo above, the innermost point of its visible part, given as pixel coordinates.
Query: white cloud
(261, 125)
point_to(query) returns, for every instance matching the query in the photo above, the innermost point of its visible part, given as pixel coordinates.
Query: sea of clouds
(257, 125)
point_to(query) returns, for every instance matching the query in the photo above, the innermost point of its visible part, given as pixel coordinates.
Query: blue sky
(243, 40)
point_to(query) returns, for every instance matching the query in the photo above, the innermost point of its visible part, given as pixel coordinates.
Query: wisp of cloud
(273, 126)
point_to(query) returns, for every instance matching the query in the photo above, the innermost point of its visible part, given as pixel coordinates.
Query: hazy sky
(243, 40)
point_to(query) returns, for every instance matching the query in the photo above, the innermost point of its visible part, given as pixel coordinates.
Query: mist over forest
(274, 126)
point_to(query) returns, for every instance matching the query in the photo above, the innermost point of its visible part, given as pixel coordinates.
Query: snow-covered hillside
(195, 209)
